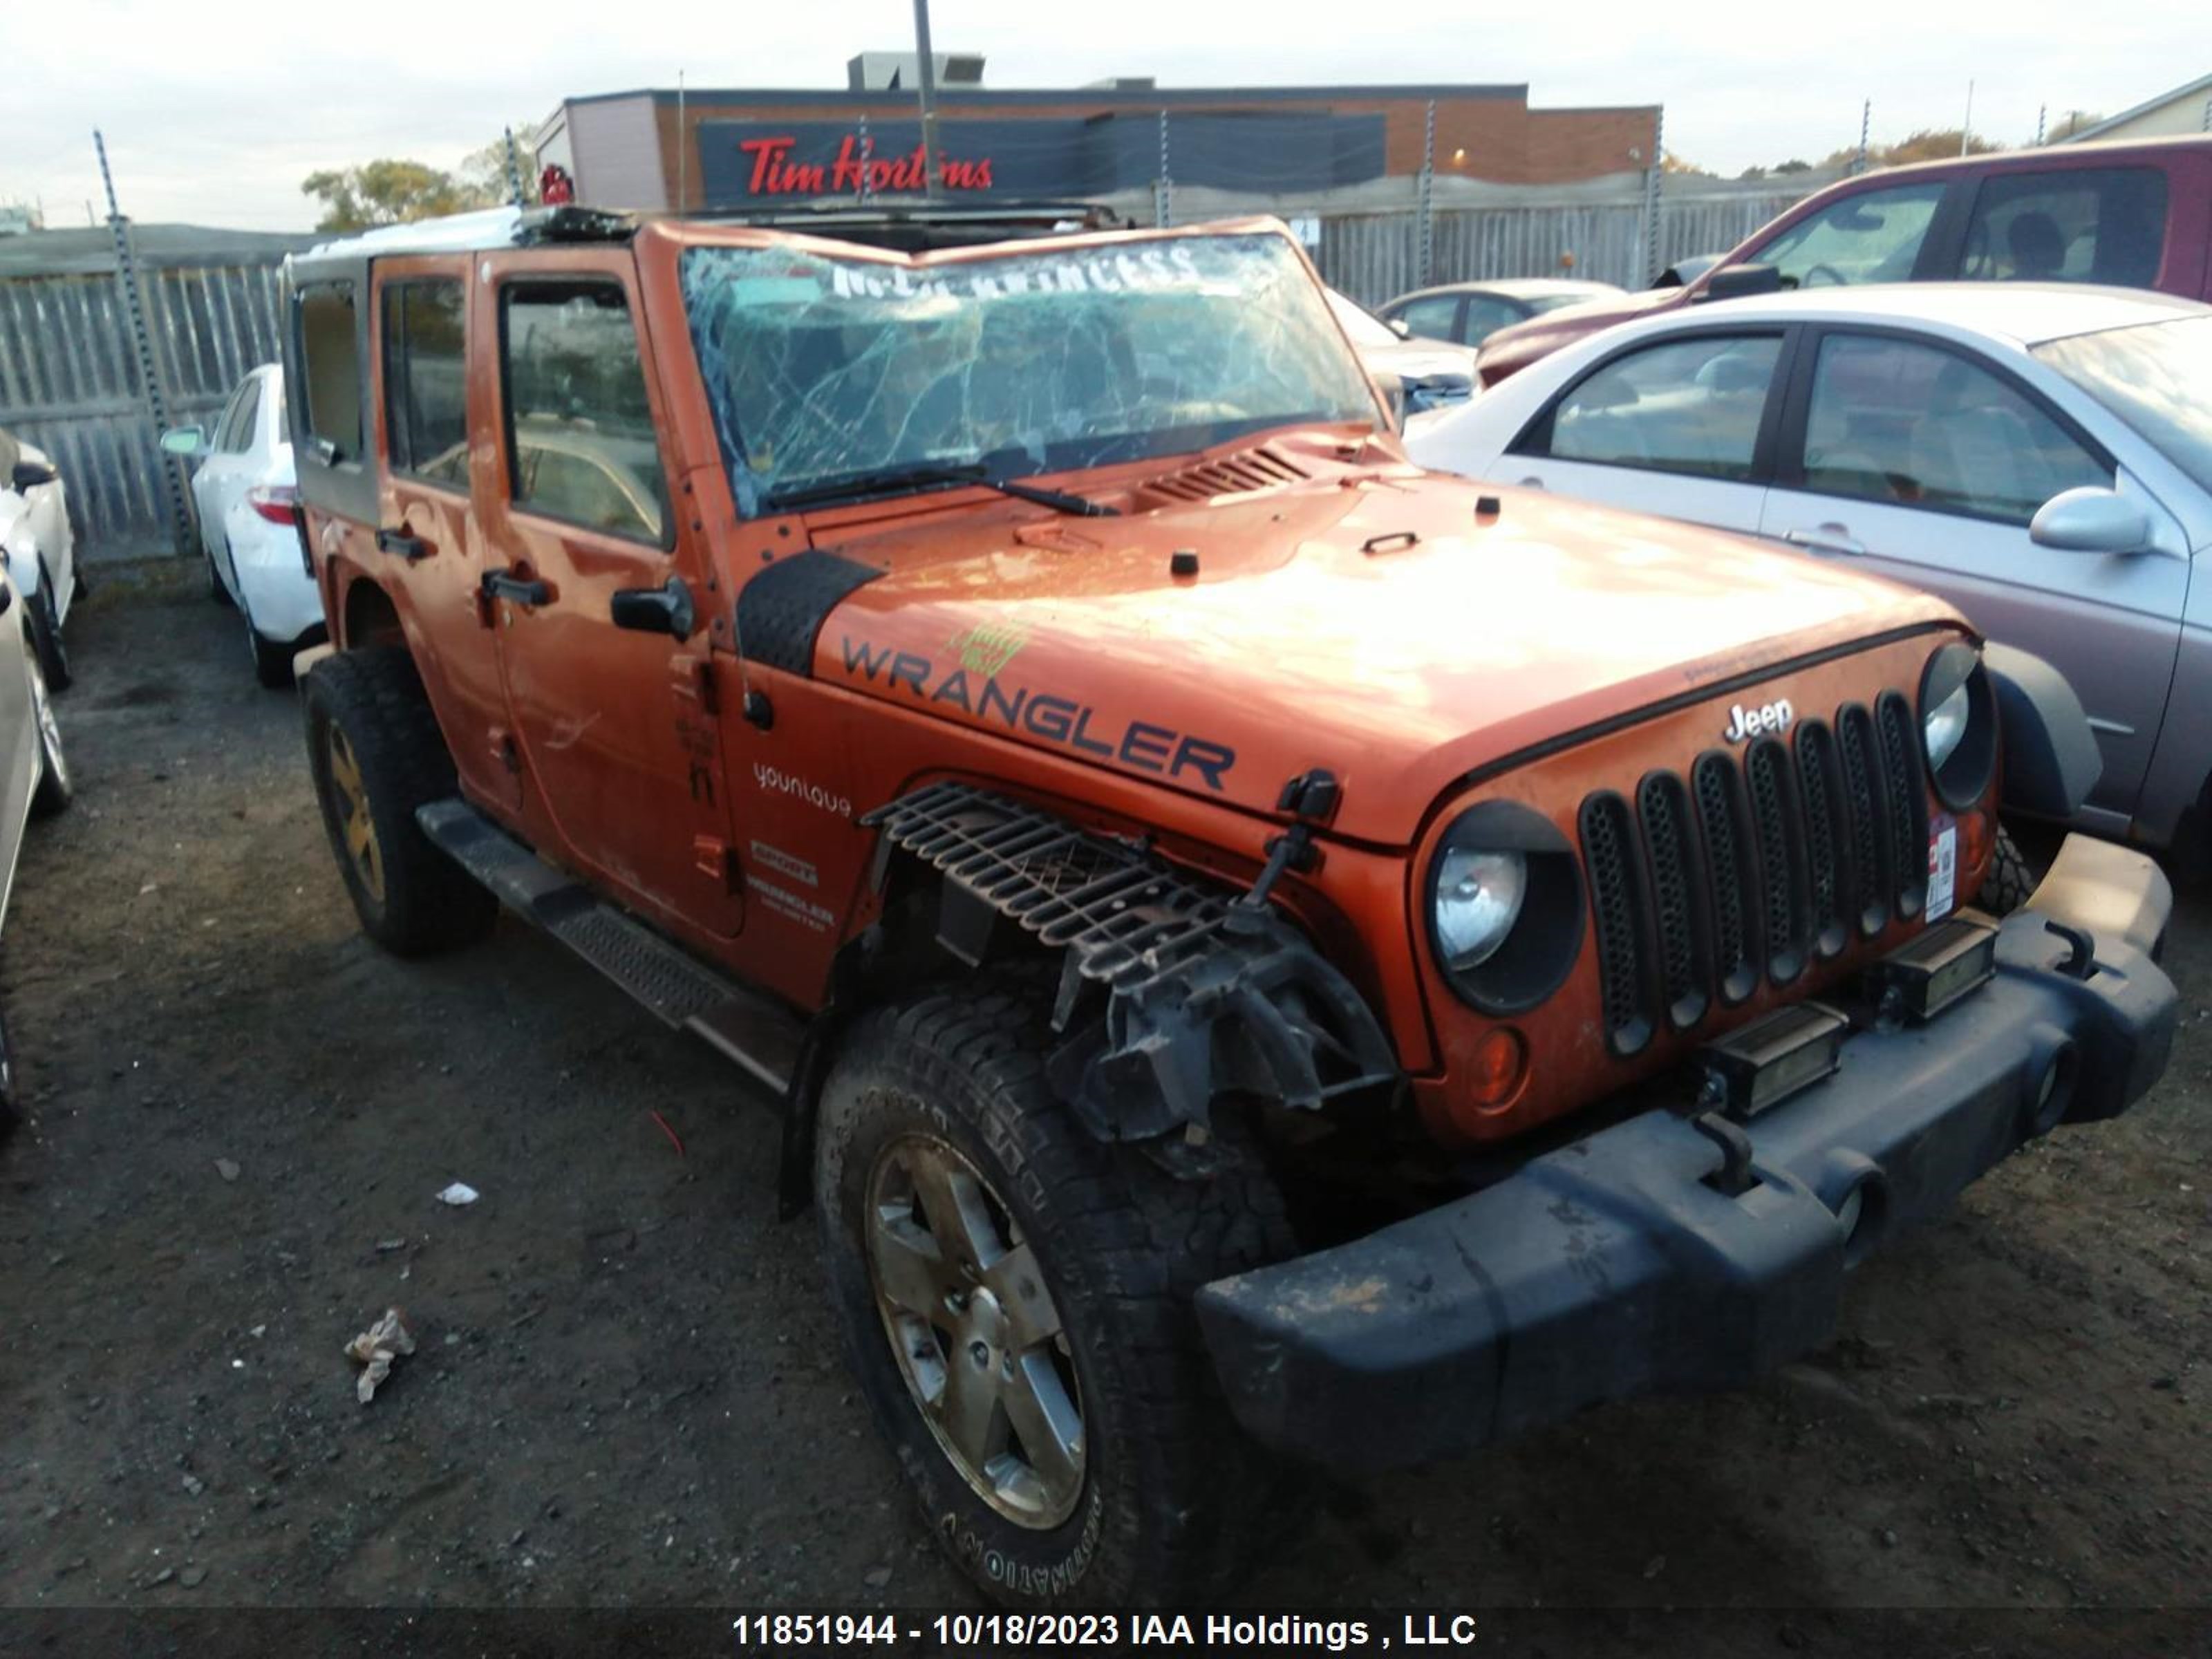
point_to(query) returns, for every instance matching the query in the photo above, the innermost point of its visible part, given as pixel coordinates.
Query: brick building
(1304, 149)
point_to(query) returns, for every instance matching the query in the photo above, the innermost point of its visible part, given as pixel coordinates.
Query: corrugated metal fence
(69, 381)
(1373, 257)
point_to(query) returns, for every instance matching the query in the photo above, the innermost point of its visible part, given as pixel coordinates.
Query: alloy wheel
(975, 1331)
(358, 827)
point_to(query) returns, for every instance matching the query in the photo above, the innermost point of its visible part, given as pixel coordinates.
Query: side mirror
(187, 443)
(666, 609)
(1739, 282)
(1393, 388)
(29, 475)
(2091, 519)
(1399, 326)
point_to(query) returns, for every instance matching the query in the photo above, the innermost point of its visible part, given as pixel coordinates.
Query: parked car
(38, 540)
(1683, 272)
(1430, 373)
(1468, 313)
(34, 779)
(2133, 215)
(2039, 454)
(246, 501)
(1137, 827)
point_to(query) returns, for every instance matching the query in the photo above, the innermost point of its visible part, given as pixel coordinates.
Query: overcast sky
(215, 111)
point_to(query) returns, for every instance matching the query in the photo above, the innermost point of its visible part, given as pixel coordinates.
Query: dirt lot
(628, 1392)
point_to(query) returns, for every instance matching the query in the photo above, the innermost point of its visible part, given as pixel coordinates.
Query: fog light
(1849, 1213)
(1858, 1215)
(2052, 1092)
(1771, 1058)
(1937, 969)
(1500, 1066)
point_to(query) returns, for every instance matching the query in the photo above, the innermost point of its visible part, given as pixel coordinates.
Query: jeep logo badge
(1746, 723)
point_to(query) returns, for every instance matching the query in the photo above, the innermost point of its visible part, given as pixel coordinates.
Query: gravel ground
(628, 1392)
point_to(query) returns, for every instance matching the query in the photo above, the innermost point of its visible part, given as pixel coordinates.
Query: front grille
(1617, 899)
(1704, 889)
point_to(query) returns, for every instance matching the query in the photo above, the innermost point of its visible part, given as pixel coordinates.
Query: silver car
(2039, 455)
(33, 775)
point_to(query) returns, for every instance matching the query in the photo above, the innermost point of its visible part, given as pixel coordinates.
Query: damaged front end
(1172, 993)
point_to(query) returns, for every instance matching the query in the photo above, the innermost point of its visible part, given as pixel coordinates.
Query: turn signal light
(1974, 839)
(1500, 1067)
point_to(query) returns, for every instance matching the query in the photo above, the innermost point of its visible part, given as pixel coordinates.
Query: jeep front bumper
(1614, 1267)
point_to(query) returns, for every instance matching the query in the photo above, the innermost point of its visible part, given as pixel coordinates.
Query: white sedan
(248, 506)
(2039, 455)
(34, 779)
(40, 549)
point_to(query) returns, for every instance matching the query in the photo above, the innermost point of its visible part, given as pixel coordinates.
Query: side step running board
(751, 1029)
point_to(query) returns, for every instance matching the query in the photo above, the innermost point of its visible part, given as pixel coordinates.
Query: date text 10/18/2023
(1277, 1632)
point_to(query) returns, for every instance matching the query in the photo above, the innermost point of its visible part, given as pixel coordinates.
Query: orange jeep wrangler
(1266, 956)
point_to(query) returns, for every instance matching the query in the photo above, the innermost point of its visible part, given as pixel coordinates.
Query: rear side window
(332, 369)
(425, 411)
(580, 441)
(1433, 319)
(232, 432)
(1899, 422)
(2083, 225)
(1873, 236)
(1486, 315)
(1690, 406)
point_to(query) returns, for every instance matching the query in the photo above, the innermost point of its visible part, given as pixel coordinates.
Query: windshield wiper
(1059, 499)
(923, 475)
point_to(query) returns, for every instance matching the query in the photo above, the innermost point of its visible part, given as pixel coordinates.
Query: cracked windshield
(833, 378)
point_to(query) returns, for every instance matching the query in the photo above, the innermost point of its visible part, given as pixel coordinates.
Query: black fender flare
(2051, 760)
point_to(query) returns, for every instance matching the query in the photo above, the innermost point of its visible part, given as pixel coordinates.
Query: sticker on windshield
(1942, 865)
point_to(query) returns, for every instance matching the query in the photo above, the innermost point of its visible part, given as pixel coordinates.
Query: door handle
(1532, 482)
(408, 546)
(517, 590)
(1827, 538)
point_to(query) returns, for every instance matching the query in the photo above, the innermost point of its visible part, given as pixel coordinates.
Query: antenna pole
(926, 84)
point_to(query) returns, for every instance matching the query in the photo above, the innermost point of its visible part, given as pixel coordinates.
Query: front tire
(272, 661)
(55, 791)
(376, 754)
(2012, 879)
(1015, 1302)
(46, 633)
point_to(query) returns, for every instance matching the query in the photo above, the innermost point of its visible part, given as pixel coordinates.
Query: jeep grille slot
(1678, 887)
(1617, 901)
(1827, 883)
(1906, 794)
(1729, 875)
(1744, 872)
(1863, 799)
(1780, 827)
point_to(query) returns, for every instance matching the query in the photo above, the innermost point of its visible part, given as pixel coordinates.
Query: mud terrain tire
(1170, 1497)
(2011, 879)
(376, 754)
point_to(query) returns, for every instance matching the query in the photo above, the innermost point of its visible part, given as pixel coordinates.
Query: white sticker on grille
(1942, 866)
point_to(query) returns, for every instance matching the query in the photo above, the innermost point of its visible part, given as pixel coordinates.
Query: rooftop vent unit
(901, 71)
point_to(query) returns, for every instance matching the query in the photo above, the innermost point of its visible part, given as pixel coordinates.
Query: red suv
(2133, 215)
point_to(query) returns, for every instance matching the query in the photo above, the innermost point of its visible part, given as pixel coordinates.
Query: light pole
(928, 78)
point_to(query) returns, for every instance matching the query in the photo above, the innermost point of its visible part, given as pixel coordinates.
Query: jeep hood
(1375, 625)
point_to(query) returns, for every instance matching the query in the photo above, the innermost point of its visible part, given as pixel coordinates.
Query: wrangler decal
(1137, 744)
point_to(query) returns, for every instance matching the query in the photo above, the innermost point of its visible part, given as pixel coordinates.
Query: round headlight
(1959, 724)
(1941, 726)
(1504, 898)
(1479, 898)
